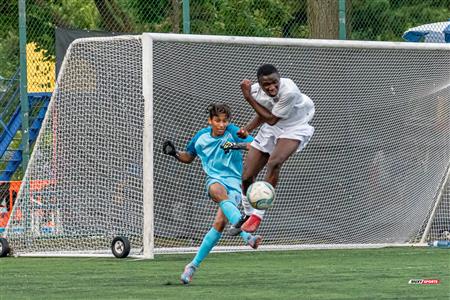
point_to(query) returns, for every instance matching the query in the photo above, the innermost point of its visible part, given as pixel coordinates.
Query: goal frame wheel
(120, 247)
(4, 247)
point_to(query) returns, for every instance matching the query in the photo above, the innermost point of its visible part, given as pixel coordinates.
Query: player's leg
(234, 194)
(219, 194)
(284, 148)
(288, 142)
(211, 238)
(254, 163)
(252, 240)
(209, 241)
(264, 142)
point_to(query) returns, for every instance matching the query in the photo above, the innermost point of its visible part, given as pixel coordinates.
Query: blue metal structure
(11, 123)
(429, 33)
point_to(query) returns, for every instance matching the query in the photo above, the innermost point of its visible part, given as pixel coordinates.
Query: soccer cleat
(188, 273)
(254, 241)
(252, 224)
(236, 228)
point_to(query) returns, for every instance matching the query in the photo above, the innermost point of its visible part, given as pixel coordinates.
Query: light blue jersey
(225, 168)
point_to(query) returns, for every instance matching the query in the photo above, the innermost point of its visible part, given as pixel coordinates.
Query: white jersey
(290, 105)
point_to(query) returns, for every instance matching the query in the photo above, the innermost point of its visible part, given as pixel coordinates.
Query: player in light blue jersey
(223, 167)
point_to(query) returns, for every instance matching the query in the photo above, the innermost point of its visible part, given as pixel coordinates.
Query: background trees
(383, 20)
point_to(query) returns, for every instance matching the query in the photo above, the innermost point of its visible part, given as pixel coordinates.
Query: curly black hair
(214, 109)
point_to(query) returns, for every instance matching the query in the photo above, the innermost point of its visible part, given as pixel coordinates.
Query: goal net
(374, 173)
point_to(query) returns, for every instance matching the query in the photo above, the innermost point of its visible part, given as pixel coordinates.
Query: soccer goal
(374, 174)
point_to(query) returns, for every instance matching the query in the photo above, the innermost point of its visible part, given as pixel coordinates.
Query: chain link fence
(380, 20)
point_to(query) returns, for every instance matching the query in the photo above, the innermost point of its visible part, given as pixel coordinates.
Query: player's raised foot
(188, 273)
(236, 228)
(254, 241)
(252, 224)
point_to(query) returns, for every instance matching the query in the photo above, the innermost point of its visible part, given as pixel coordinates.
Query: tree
(366, 19)
(241, 17)
(9, 38)
(113, 17)
(323, 18)
(155, 15)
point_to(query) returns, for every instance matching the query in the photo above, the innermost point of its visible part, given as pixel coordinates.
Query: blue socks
(213, 236)
(230, 211)
(209, 241)
(245, 236)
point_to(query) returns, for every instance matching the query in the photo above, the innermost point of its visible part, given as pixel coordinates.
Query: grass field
(312, 274)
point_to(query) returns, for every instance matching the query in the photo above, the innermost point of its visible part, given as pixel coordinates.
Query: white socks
(249, 210)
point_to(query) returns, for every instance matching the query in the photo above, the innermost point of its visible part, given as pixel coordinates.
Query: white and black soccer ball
(261, 195)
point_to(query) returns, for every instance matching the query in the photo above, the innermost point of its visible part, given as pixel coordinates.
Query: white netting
(370, 175)
(439, 227)
(84, 181)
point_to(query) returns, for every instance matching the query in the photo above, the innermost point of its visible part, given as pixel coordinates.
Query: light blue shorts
(234, 191)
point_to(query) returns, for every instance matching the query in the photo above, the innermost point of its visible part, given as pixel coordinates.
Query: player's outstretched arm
(182, 156)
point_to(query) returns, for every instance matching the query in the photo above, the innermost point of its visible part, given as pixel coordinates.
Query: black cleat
(236, 229)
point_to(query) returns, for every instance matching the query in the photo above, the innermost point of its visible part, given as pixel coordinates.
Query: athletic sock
(230, 211)
(248, 209)
(209, 241)
(245, 236)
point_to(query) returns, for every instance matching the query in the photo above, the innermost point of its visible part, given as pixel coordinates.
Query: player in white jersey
(283, 113)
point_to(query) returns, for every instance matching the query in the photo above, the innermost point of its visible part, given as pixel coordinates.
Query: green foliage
(44, 16)
(241, 17)
(375, 25)
(297, 26)
(9, 54)
(434, 3)
(370, 19)
(155, 16)
(9, 39)
(9, 15)
(386, 20)
(80, 14)
(144, 12)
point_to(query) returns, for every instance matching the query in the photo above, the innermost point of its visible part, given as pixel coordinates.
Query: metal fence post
(186, 17)
(23, 84)
(342, 28)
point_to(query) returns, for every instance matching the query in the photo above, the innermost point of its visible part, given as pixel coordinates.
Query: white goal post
(374, 174)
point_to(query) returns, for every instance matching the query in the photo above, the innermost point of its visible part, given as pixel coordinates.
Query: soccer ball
(261, 195)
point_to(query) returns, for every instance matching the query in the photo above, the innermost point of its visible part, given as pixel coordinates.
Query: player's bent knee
(217, 192)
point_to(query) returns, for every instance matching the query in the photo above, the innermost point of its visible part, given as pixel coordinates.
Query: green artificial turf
(308, 274)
